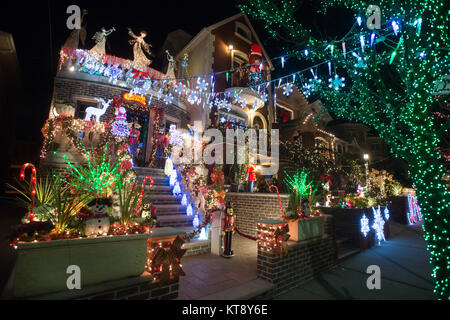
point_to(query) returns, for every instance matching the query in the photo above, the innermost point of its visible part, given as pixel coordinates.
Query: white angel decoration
(171, 67)
(139, 46)
(100, 40)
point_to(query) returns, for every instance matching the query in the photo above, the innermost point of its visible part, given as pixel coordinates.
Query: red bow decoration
(143, 75)
(285, 116)
(117, 102)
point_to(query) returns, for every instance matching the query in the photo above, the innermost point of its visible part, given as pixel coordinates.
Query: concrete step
(141, 171)
(170, 209)
(253, 289)
(164, 199)
(157, 181)
(174, 220)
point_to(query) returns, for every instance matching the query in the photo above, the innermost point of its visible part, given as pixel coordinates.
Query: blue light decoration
(168, 99)
(395, 26)
(184, 200)
(173, 177)
(203, 235)
(418, 25)
(189, 210)
(364, 225)
(282, 62)
(359, 20)
(287, 90)
(361, 39)
(413, 214)
(378, 225)
(306, 52)
(386, 213)
(196, 221)
(336, 82)
(372, 38)
(176, 189)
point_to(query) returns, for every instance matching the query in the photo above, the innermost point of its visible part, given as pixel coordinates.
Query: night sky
(39, 30)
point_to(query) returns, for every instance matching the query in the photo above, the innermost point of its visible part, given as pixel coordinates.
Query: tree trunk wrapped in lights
(389, 74)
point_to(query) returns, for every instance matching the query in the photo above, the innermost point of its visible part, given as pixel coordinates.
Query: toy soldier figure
(228, 225)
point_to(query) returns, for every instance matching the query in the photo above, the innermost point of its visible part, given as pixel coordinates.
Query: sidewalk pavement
(405, 272)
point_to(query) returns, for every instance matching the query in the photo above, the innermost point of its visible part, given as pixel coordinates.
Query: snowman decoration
(98, 221)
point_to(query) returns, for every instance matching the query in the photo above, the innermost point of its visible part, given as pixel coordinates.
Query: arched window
(243, 31)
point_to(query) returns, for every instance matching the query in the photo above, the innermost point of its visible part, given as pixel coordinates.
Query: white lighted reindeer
(91, 111)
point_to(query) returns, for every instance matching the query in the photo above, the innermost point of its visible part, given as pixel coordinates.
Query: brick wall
(195, 248)
(147, 291)
(302, 262)
(250, 207)
(70, 90)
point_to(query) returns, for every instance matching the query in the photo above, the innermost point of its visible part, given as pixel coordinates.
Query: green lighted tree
(389, 85)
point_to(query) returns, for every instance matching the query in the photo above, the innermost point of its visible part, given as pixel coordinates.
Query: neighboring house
(223, 46)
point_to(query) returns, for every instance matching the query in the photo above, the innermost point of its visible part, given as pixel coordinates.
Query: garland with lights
(392, 72)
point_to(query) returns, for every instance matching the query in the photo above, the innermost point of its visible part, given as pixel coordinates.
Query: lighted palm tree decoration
(97, 177)
(300, 186)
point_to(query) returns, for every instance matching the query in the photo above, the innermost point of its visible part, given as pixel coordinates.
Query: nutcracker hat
(256, 50)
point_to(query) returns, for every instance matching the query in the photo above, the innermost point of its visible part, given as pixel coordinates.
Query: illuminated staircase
(170, 213)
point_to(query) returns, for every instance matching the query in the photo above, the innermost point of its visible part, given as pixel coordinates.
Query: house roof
(207, 30)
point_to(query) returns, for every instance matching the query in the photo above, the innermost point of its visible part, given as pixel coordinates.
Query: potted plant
(304, 221)
(46, 249)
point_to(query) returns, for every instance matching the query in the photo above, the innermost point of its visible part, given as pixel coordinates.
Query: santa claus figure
(256, 66)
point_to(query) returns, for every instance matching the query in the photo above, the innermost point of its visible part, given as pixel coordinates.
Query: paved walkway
(208, 274)
(404, 265)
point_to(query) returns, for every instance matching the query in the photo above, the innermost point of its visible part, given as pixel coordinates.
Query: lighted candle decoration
(32, 186)
(142, 192)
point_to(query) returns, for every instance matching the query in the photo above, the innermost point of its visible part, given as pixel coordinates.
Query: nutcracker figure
(251, 176)
(228, 225)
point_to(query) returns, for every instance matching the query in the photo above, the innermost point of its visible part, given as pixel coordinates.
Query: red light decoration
(135, 97)
(32, 186)
(279, 201)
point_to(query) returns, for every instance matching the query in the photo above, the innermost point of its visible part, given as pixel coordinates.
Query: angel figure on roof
(171, 67)
(139, 46)
(100, 40)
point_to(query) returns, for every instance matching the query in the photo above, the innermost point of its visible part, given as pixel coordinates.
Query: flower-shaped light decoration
(287, 89)
(336, 82)
(168, 99)
(201, 85)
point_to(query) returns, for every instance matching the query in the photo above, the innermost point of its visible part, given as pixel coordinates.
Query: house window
(243, 31)
(240, 59)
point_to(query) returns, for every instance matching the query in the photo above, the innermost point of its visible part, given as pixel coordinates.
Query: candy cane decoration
(142, 192)
(279, 200)
(33, 186)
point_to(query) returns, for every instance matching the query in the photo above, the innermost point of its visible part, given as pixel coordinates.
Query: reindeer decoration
(91, 111)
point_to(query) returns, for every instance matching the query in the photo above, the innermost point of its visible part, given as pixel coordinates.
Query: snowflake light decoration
(264, 97)
(378, 225)
(243, 103)
(287, 89)
(223, 120)
(201, 85)
(311, 86)
(336, 82)
(192, 98)
(179, 88)
(365, 225)
(168, 98)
